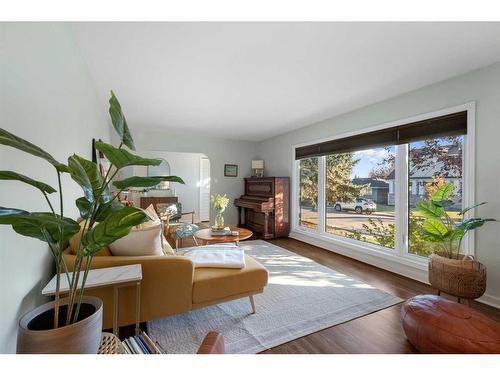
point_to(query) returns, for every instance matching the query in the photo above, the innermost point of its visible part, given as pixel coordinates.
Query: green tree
(309, 182)
(339, 186)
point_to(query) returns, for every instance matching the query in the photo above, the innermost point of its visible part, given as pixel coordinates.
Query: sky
(369, 159)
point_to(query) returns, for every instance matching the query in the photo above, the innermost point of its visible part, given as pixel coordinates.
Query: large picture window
(364, 189)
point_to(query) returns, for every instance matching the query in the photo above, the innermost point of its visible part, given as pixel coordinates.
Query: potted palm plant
(73, 324)
(450, 271)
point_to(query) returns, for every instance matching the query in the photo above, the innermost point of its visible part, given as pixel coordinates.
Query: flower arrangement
(219, 203)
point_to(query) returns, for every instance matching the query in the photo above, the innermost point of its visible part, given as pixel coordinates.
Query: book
(135, 345)
(221, 232)
(126, 348)
(150, 344)
(143, 346)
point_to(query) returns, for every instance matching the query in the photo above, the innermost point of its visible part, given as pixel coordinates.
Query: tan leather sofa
(171, 285)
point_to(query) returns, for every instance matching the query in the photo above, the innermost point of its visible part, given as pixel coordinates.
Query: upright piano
(265, 206)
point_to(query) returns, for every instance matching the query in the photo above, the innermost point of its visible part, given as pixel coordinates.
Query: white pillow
(142, 241)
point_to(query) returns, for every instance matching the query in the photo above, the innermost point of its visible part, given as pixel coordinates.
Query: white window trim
(386, 258)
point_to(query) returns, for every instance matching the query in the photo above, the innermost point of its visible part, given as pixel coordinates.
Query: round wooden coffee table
(205, 235)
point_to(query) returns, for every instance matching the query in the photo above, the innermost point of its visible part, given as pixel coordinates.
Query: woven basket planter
(463, 278)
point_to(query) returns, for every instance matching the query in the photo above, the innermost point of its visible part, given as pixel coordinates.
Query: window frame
(400, 252)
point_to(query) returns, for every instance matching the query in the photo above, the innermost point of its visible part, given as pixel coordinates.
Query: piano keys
(264, 208)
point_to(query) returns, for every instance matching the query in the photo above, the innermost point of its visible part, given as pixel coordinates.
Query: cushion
(151, 212)
(436, 325)
(142, 241)
(184, 231)
(210, 284)
(167, 249)
(75, 240)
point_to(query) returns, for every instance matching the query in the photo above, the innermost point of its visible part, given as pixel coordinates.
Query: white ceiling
(253, 81)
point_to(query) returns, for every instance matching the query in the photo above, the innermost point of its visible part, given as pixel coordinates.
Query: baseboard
(388, 263)
(490, 300)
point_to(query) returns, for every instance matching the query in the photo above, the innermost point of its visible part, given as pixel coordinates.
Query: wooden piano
(265, 206)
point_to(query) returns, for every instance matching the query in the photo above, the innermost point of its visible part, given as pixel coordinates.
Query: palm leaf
(39, 225)
(434, 227)
(85, 173)
(9, 175)
(116, 225)
(145, 181)
(443, 192)
(14, 141)
(430, 210)
(119, 122)
(121, 158)
(467, 209)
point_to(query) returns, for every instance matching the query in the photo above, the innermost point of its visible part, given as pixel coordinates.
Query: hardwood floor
(379, 332)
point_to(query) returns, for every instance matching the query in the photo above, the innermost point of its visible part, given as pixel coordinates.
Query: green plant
(440, 228)
(104, 219)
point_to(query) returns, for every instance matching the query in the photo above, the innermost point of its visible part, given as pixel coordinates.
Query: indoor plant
(449, 270)
(74, 324)
(219, 203)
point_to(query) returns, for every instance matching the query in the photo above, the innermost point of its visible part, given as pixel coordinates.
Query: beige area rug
(302, 297)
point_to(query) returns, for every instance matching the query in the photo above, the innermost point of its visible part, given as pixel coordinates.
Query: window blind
(447, 125)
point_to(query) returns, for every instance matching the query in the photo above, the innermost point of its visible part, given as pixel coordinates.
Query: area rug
(302, 297)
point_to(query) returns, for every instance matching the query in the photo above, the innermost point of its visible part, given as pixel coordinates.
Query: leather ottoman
(435, 325)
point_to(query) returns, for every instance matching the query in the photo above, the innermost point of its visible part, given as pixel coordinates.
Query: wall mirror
(160, 170)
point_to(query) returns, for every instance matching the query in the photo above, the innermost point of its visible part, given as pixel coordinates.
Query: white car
(359, 205)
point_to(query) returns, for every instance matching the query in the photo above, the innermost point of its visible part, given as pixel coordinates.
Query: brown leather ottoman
(435, 325)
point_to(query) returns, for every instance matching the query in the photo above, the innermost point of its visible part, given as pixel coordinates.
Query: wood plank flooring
(379, 332)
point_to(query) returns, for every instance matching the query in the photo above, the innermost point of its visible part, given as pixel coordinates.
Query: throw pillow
(143, 241)
(75, 240)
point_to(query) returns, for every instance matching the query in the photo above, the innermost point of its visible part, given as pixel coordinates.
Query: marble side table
(118, 277)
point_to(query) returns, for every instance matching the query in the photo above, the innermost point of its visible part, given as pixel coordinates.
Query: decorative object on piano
(230, 170)
(265, 206)
(258, 168)
(219, 203)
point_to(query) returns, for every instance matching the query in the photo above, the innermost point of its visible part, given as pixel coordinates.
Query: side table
(119, 277)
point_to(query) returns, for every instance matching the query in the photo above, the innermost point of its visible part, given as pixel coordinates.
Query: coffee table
(206, 237)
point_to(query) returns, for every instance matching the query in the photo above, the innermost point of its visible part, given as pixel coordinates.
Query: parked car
(359, 205)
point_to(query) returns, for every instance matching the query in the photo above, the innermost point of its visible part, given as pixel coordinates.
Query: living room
(249, 187)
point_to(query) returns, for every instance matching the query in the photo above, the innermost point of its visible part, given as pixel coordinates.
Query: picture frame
(230, 170)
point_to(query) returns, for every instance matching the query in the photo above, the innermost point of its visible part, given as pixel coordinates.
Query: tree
(432, 151)
(309, 182)
(339, 185)
(381, 172)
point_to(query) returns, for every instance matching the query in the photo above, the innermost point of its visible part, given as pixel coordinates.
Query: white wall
(482, 86)
(183, 164)
(47, 98)
(220, 151)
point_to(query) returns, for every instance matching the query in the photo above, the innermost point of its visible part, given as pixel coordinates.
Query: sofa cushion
(139, 242)
(75, 240)
(211, 284)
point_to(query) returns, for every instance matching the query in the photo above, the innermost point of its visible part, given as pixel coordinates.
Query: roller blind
(447, 125)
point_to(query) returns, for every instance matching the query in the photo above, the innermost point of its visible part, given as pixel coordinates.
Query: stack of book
(221, 232)
(140, 344)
